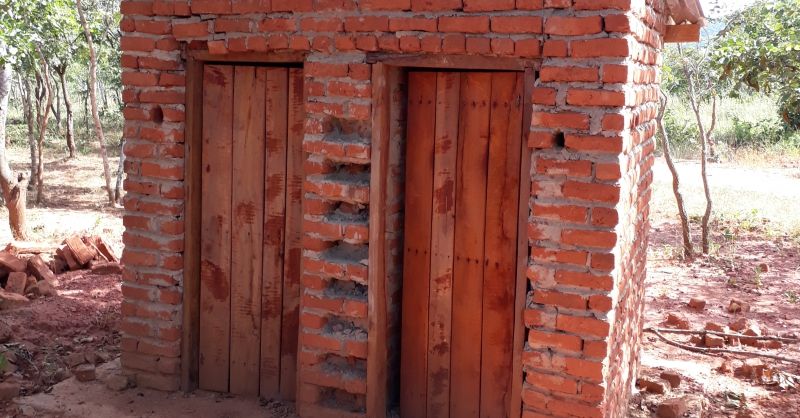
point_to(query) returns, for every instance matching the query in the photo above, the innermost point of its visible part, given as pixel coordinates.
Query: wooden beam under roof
(687, 32)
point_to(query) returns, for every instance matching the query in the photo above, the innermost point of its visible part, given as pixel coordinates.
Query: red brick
(573, 26)
(569, 74)
(555, 298)
(587, 280)
(582, 325)
(593, 143)
(436, 5)
(232, 25)
(129, 7)
(528, 48)
(588, 238)
(190, 29)
(155, 27)
(605, 47)
(464, 24)
(593, 192)
(586, 97)
(423, 24)
(136, 43)
(571, 168)
(366, 24)
(618, 23)
(569, 120)
(211, 6)
(550, 382)
(517, 24)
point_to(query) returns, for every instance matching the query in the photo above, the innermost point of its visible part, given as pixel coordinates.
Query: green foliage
(759, 132)
(760, 50)
(748, 122)
(28, 24)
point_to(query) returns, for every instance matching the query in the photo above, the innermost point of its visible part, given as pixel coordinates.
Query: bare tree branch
(726, 334)
(688, 248)
(703, 350)
(98, 127)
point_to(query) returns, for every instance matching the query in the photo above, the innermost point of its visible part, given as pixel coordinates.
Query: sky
(726, 6)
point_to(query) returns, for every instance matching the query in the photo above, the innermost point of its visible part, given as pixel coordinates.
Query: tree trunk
(688, 248)
(45, 113)
(86, 124)
(120, 172)
(27, 110)
(703, 159)
(103, 95)
(712, 144)
(13, 186)
(55, 107)
(62, 71)
(98, 128)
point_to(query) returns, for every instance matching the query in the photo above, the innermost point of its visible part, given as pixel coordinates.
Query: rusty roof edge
(686, 11)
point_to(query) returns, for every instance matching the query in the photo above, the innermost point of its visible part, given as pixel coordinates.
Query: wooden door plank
(294, 234)
(215, 247)
(442, 235)
(416, 260)
(473, 147)
(247, 227)
(274, 206)
(499, 274)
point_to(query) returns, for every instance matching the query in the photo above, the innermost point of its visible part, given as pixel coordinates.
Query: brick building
(439, 206)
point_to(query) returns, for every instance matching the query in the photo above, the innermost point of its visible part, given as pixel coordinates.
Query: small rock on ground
(714, 341)
(84, 372)
(653, 385)
(5, 332)
(9, 390)
(10, 300)
(698, 304)
(116, 382)
(677, 321)
(673, 378)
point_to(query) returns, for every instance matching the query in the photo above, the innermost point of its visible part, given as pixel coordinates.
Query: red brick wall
(591, 145)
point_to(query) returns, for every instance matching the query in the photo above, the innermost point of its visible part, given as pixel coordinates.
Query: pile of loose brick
(30, 271)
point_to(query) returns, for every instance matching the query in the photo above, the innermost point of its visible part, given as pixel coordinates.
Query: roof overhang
(686, 11)
(687, 19)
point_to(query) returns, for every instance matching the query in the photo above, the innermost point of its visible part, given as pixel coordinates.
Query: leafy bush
(682, 131)
(759, 132)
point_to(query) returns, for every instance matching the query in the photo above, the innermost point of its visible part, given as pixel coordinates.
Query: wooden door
(250, 229)
(464, 147)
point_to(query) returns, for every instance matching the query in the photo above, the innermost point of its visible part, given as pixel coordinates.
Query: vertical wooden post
(377, 352)
(191, 257)
(515, 409)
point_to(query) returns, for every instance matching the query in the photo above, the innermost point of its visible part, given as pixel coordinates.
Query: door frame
(193, 125)
(388, 72)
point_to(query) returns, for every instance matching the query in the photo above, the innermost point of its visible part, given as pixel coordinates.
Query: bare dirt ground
(75, 200)
(755, 259)
(48, 333)
(757, 224)
(93, 399)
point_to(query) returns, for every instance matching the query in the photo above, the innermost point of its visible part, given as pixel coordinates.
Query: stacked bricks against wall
(590, 141)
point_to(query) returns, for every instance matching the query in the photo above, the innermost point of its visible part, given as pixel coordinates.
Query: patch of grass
(749, 129)
(792, 297)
